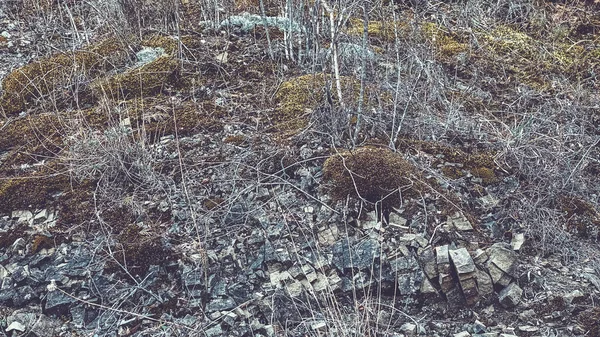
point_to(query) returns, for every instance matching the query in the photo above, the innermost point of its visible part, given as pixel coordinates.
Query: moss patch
(170, 44)
(297, 98)
(159, 116)
(480, 165)
(371, 173)
(147, 80)
(582, 216)
(139, 249)
(34, 191)
(382, 30)
(41, 78)
(446, 44)
(531, 61)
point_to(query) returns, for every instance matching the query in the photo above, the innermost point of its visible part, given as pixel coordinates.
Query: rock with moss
(371, 173)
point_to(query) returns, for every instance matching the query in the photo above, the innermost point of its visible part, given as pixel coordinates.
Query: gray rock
(20, 273)
(478, 327)
(498, 276)
(462, 334)
(404, 264)
(460, 223)
(362, 256)
(442, 257)
(215, 331)
(573, 297)
(57, 303)
(462, 261)
(484, 283)
(428, 261)
(510, 296)
(446, 282)
(409, 328)
(410, 284)
(397, 221)
(23, 295)
(594, 279)
(16, 326)
(480, 257)
(517, 241)
(147, 55)
(220, 304)
(503, 257)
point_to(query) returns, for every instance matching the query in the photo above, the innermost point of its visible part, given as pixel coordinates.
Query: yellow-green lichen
(372, 174)
(42, 78)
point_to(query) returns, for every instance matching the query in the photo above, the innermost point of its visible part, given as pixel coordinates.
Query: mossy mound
(298, 97)
(33, 191)
(371, 173)
(536, 62)
(380, 30)
(147, 80)
(139, 248)
(582, 216)
(41, 78)
(446, 44)
(170, 44)
(455, 162)
(28, 141)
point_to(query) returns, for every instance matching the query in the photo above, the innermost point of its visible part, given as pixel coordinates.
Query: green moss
(171, 43)
(298, 97)
(452, 172)
(481, 165)
(34, 191)
(138, 250)
(486, 175)
(30, 140)
(46, 76)
(147, 80)
(371, 173)
(583, 217)
(532, 61)
(382, 30)
(158, 116)
(446, 45)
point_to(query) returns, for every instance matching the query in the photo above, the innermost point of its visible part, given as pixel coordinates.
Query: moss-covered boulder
(372, 174)
(40, 79)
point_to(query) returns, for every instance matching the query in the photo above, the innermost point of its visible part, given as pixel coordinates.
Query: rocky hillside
(299, 168)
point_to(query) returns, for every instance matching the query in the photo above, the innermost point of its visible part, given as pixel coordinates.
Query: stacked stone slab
(466, 273)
